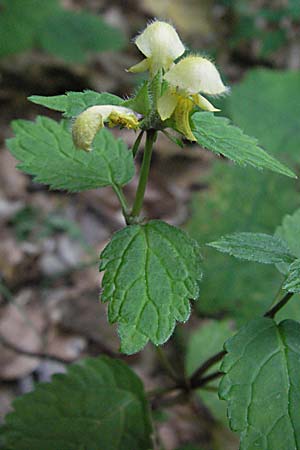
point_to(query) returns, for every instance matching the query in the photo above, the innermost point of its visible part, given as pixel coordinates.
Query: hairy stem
(139, 198)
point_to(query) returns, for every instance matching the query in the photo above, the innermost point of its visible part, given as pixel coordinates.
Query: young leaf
(239, 199)
(218, 135)
(152, 272)
(206, 341)
(289, 230)
(292, 283)
(99, 404)
(141, 101)
(261, 384)
(259, 247)
(46, 151)
(73, 103)
(266, 104)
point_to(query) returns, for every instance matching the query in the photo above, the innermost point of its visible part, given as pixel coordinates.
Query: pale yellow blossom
(161, 45)
(186, 80)
(89, 122)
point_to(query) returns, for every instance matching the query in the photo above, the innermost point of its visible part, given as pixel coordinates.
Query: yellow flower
(89, 122)
(192, 75)
(161, 45)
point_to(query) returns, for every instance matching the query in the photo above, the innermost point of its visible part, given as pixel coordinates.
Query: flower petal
(85, 128)
(182, 118)
(195, 74)
(89, 122)
(166, 104)
(203, 103)
(142, 66)
(160, 37)
(161, 44)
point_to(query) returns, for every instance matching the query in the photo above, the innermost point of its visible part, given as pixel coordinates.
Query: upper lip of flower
(161, 45)
(186, 79)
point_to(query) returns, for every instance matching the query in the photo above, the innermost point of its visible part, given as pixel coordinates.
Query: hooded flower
(192, 75)
(89, 122)
(161, 45)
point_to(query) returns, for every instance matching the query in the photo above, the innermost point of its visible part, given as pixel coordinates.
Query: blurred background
(50, 241)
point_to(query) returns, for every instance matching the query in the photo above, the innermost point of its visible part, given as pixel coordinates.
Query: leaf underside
(289, 231)
(292, 283)
(152, 272)
(218, 135)
(261, 384)
(46, 151)
(258, 247)
(99, 404)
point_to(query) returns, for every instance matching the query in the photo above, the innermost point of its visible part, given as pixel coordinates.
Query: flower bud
(89, 122)
(161, 45)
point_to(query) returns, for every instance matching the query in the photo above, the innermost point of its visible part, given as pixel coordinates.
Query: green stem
(137, 143)
(139, 198)
(122, 199)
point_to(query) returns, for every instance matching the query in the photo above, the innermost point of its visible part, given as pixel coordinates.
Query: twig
(39, 355)
(196, 376)
(205, 380)
(271, 313)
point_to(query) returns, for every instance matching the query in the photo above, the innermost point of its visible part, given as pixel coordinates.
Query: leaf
(219, 136)
(238, 200)
(261, 384)
(73, 103)
(266, 104)
(152, 272)
(289, 230)
(66, 34)
(99, 404)
(258, 247)
(46, 151)
(292, 283)
(72, 35)
(140, 101)
(205, 341)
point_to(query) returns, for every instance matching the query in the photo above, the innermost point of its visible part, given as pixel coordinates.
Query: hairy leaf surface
(292, 283)
(152, 272)
(261, 384)
(99, 404)
(46, 151)
(258, 247)
(218, 135)
(289, 230)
